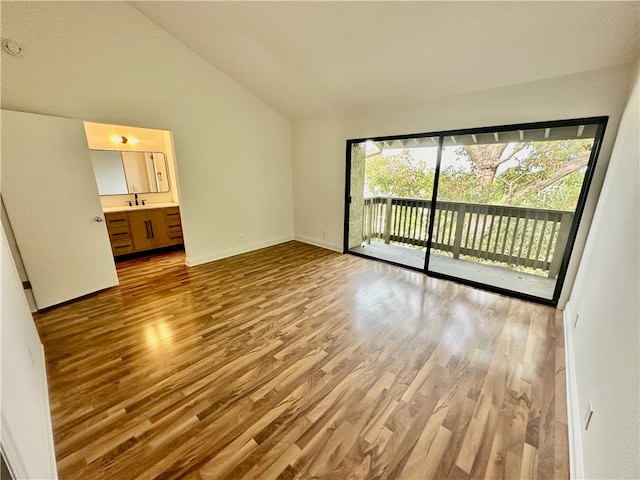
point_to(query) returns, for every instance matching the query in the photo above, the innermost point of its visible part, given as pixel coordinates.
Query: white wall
(106, 62)
(606, 350)
(319, 144)
(26, 436)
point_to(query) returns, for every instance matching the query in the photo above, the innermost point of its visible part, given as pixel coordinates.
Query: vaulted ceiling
(309, 58)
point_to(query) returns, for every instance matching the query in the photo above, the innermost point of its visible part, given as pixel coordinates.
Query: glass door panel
(506, 204)
(355, 197)
(391, 189)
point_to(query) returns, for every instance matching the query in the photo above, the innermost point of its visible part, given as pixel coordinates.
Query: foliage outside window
(546, 174)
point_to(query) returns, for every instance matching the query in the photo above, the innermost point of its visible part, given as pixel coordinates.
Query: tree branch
(518, 148)
(571, 166)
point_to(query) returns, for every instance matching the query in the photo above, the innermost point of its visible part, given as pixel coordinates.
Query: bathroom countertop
(127, 208)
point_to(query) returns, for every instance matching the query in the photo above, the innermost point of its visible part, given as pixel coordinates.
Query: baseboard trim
(212, 257)
(574, 423)
(318, 243)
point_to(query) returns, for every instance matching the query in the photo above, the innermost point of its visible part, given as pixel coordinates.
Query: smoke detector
(12, 47)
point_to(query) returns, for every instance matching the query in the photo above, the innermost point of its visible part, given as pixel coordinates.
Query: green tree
(536, 171)
(544, 174)
(400, 175)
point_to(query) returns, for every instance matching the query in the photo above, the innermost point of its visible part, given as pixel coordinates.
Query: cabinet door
(140, 230)
(52, 201)
(158, 227)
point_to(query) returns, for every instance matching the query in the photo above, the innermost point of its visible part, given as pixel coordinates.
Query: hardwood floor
(298, 362)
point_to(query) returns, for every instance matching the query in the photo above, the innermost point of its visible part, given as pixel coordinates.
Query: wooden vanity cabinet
(140, 230)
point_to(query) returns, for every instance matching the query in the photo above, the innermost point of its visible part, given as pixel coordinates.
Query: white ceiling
(309, 58)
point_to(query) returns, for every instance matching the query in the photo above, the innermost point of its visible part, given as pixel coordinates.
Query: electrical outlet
(260, 234)
(587, 417)
(324, 233)
(242, 236)
(575, 322)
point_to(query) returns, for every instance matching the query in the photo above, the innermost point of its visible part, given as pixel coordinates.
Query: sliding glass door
(390, 194)
(495, 207)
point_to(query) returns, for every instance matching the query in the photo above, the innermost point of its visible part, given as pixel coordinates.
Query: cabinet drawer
(116, 218)
(117, 222)
(172, 216)
(175, 237)
(119, 233)
(120, 247)
(174, 229)
(175, 240)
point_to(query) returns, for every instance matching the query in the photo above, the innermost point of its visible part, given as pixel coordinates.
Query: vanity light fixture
(122, 139)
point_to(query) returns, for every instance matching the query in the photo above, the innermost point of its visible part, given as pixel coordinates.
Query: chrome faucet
(135, 196)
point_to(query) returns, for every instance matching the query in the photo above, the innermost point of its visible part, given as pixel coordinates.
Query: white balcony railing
(526, 237)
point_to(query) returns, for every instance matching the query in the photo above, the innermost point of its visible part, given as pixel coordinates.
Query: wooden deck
(534, 285)
(297, 362)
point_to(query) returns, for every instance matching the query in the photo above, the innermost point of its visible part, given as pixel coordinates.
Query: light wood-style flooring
(298, 362)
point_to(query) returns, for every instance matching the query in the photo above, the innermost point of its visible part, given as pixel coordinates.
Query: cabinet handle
(146, 227)
(151, 228)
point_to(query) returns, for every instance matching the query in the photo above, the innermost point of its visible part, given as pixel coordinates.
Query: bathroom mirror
(121, 173)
